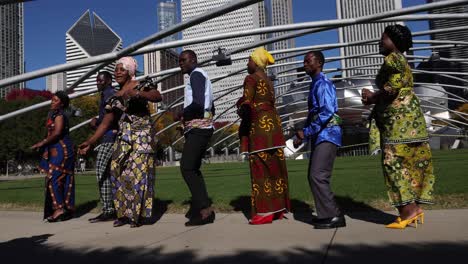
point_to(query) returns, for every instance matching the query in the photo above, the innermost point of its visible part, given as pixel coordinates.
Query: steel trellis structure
(297, 30)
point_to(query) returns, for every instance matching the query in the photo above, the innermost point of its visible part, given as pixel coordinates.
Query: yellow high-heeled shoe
(420, 215)
(401, 224)
(421, 218)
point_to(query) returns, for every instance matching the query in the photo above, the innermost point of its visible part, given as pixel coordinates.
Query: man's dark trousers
(196, 143)
(321, 162)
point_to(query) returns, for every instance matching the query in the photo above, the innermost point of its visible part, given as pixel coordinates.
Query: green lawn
(357, 182)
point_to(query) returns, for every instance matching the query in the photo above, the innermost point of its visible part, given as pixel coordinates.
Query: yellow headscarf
(262, 57)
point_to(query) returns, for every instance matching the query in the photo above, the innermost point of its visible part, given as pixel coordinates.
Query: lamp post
(8, 161)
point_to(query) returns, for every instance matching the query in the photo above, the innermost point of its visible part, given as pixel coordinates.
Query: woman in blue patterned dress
(58, 162)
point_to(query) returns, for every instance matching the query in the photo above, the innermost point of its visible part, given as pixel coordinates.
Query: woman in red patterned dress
(262, 140)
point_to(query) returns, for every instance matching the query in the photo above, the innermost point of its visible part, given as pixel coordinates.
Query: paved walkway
(24, 238)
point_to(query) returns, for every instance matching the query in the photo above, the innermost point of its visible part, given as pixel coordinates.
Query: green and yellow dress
(406, 154)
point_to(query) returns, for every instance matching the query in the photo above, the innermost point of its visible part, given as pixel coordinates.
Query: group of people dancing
(124, 136)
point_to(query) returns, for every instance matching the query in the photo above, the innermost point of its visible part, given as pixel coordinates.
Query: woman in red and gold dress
(262, 140)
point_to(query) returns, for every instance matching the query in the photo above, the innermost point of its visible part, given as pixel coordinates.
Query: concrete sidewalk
(24, 238)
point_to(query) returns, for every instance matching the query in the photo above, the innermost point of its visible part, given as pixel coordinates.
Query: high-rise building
(254, 16)
(167, 17)
(166, 59)
(359, 8)
(11, 44)
(458, 52)
(162, 60)
(89, 36)
(56, 82)
(275, 13)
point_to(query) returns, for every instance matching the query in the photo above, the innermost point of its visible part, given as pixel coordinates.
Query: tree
(459, 117)
(27, 94)
(19, 133)
(166, 138)
(88, 107)
(227, 130)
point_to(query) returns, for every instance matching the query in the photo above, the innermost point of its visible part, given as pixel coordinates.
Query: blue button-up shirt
(322, 105)
(110, 134)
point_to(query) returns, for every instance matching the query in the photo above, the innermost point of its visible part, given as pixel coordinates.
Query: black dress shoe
(198, 220)
(189, 213)
(103, 217)
(327, 223)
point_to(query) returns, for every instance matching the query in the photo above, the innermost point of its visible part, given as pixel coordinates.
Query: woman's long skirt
(269, 176)
(59, 165)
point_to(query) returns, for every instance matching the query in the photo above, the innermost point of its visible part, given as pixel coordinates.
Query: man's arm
(197, 108)
(100, 131)
(326, 98)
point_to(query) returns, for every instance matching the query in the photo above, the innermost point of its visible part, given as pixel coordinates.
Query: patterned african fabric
(262, 138)
(408, 173)
(58, 164)
(374, 138)
(133, 169)
(400, 120)
(269, 178)
(260, 127)
(406, 158)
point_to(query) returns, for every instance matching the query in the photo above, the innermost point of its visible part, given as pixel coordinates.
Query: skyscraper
(89, 36)
(166, 59)
(454, 52)
(277, 12)
(274, 13)
(459, 52)
(11, 44)
(163, 60)
(56, 82)
(359, 8)
(254, 16)
(167, 17)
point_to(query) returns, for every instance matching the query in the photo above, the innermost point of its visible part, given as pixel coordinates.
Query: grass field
(357, 182)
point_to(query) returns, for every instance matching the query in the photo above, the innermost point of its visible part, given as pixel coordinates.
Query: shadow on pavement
(159, 209)
(303, 212)
(85, 208)
(35, 250)
(362, 211)
(242, 204)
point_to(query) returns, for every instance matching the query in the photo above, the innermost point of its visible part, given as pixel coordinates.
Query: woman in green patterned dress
(133, 164)
(406, 154)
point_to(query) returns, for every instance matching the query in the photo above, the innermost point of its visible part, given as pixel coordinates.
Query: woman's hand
(368, 97)
(83, 148)
(38, 144)
(128, 90)
(299, 137)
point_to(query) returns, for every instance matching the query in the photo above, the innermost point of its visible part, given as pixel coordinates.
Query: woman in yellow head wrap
(262, 140)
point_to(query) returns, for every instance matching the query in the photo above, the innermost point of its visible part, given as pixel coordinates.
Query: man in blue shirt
(322, 129)
(197, 119)
(106, 126)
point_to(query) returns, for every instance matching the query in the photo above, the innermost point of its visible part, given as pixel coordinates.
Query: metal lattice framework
(349, 91)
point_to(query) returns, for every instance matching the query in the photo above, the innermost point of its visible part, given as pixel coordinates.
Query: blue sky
(46, 22)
